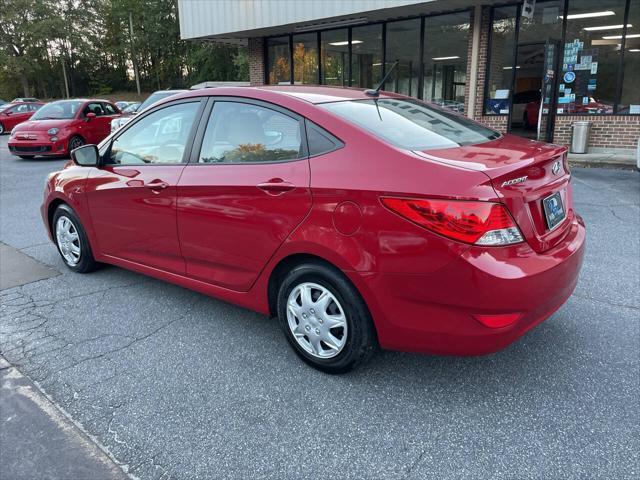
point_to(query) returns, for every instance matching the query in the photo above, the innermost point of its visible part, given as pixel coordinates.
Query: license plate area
(554, 210)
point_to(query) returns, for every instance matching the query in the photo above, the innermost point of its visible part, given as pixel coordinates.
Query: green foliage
(93, 40)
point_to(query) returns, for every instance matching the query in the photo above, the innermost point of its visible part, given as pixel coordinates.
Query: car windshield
(153, 98)
(410, 124)
(61, 110)
(131, 108)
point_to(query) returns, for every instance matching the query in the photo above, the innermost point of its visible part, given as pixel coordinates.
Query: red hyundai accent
(14, 113)
(59, 127)
(359, 221)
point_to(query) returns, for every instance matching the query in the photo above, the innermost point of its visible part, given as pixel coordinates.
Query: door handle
(276, 186)
(157, 185)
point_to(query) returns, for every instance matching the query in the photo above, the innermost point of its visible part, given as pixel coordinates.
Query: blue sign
(569, 77)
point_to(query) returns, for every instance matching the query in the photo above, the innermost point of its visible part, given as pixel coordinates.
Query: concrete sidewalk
(37, 441)
(604, 159)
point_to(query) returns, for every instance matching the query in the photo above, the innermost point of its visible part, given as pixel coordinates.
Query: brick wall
(256, 61)
(606, 132)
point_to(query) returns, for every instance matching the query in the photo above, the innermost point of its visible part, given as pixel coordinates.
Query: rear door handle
(157, 185)
(276, 186)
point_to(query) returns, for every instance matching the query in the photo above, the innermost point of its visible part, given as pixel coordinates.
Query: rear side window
(247, 133)
(410, 124)
(320, 141)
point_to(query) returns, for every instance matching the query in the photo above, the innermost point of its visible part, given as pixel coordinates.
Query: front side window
(20, 109)
(158, 138)
(412, 125)
(61, 110)
(247, 133)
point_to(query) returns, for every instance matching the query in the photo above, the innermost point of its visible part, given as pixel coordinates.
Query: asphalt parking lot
(178, 385)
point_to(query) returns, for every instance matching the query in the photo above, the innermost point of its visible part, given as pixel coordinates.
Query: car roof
(308, 93)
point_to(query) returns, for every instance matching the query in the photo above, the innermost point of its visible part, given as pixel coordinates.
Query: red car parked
(59, 127)
(13, 114)
(358, 220)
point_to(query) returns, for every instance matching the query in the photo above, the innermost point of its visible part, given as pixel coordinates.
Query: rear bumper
(437, 313)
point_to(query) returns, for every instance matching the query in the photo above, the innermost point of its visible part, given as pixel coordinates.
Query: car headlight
(52, 131)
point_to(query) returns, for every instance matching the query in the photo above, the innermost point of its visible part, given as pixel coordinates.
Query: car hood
(42, 125)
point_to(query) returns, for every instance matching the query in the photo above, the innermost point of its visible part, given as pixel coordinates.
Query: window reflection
(403, 44)
(630, 101)
(305, 58)
(445, 60)
(366, 63)
(279, 62)
(501, 54)
(335, 57)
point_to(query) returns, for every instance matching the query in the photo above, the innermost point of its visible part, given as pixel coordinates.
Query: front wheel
(75, 142)
(325, 319)
(72, 241)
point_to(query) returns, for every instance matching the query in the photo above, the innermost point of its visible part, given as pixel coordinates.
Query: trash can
(580, 137)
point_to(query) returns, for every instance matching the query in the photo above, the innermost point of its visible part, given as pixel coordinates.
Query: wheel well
(280, 271)
(55, 203)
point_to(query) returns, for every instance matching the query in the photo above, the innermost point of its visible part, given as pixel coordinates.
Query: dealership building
(531, 68)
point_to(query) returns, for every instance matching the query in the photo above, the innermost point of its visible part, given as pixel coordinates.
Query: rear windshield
(63, 109)
(412, 125)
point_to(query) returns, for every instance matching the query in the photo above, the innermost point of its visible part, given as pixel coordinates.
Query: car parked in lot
(358, 219)
(59, 127)
(131, 108)
(14, 113)
(150, 100)
(25, 99)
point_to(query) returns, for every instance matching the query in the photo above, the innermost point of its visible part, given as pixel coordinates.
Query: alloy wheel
(68, 240)
(75, 142)
(316, 320)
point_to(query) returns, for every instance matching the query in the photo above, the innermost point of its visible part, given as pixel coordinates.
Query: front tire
(75, 142)
(72, 241)
(1, 128)
(325, 319)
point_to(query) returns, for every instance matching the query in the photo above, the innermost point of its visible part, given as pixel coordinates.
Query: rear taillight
(479, 223)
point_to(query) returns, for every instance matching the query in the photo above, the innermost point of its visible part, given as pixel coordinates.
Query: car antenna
(376, 91)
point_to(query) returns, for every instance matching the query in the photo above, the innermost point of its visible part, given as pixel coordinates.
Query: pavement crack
(613, 304)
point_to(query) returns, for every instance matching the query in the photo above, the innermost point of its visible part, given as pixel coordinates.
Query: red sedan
(14, 113)
(59, 127)
(358, 220)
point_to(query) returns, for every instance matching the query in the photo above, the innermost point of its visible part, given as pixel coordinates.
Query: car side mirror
(86, 156)
(89, 116)
(8, 113)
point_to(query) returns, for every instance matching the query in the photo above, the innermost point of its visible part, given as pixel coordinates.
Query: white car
(151, 99)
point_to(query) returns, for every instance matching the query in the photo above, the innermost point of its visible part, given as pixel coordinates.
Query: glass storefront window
(305, 58)
(403, 44)
(500, 71)
(366, 56)
(630, 100)
(590, 57)
(446, 40)
(334, 50)
(279, 60)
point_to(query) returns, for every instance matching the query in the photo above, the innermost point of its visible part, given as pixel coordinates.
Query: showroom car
(59, 127)
(14, 113)
(360, 219)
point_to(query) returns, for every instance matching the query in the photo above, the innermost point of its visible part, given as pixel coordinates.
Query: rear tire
(71, 240)
(333, 311)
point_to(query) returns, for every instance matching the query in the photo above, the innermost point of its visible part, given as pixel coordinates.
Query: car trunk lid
(523, 173)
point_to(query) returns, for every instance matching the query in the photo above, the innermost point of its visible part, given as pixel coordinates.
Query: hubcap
(68, 240)
(316, 320)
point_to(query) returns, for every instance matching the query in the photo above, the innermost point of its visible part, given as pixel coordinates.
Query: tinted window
(242, 132)
(412, 125)
(160, 137)
(320, 141)
(63, 109)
